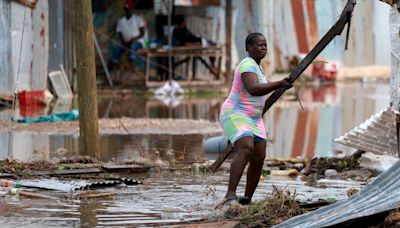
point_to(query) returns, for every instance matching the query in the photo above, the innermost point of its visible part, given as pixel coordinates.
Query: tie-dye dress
(241, 113)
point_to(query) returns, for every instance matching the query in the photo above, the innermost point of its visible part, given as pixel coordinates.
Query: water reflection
(329, 111)
(162, 199)
(148, 107)
(169, 148)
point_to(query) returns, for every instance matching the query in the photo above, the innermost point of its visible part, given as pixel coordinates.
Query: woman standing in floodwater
(241, 118)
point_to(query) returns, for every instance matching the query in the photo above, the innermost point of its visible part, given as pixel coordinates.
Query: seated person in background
(182, 36)
(131, 32)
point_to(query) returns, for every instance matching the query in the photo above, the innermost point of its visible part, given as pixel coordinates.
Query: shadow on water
(329, 111)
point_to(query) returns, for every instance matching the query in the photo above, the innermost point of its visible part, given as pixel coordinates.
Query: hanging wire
(15, 96)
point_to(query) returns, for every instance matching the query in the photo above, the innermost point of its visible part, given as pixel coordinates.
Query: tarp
(56, 117)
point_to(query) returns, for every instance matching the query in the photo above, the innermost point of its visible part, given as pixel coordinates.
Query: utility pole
(86, 74)
(228, 41)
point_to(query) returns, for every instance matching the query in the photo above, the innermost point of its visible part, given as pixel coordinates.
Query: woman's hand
(284, 83)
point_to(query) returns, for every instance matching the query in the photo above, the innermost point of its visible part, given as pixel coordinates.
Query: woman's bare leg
(244, 148)
(255, 168)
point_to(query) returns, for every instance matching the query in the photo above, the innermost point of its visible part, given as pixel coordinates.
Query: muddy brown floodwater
(178, 132)
(162, 199)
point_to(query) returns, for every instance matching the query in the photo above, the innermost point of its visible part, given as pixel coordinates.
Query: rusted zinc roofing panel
(300, 26)
(40, 49)
(383, 194)
(376, 135)
(30, 64)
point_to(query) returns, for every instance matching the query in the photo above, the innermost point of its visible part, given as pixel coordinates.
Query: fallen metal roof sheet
(69, 186)
(377, 134)
(383, 194)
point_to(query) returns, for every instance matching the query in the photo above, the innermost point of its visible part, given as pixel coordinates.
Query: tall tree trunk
(86, 74)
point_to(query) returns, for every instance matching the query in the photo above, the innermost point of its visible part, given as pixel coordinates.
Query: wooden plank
(7, 175)
(133, 168)
(66, 172)
(34, 195)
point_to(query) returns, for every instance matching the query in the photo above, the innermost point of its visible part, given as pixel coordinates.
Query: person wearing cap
(131, 29)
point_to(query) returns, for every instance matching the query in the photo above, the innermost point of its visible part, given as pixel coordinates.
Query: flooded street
(329, 112)
(168, 197)
(161, 199)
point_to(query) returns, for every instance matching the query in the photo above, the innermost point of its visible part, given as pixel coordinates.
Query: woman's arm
(250, 81)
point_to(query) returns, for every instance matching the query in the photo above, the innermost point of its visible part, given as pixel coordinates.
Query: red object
(327, 71)
(129, 4)
(31, 98)
(31, 103)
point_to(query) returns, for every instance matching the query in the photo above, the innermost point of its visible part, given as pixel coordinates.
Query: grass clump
(278, 206)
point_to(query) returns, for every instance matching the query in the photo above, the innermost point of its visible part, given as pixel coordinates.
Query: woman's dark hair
(251, 38)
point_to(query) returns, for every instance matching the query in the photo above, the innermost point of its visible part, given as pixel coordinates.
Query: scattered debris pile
(278, 206)
(12, 166)
(344, 168)
(366, 208)
(321, 165)
(78, 165)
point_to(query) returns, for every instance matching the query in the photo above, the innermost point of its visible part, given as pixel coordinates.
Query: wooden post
(228, 41)
(86, 74)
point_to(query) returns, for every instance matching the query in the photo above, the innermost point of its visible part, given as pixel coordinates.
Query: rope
(15, 96)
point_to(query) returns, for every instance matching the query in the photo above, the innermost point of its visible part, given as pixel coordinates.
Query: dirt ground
(121, 126)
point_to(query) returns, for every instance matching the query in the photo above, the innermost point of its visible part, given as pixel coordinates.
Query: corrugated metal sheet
(24, 64)
(69, 50)
(291, 33)
(395, 59)
(300, 26)
(6, 79)
(32, 62)
(40, 60)
(376, 135)
(73, 185)
(383, 194)
(56, 36)
(288, 34)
